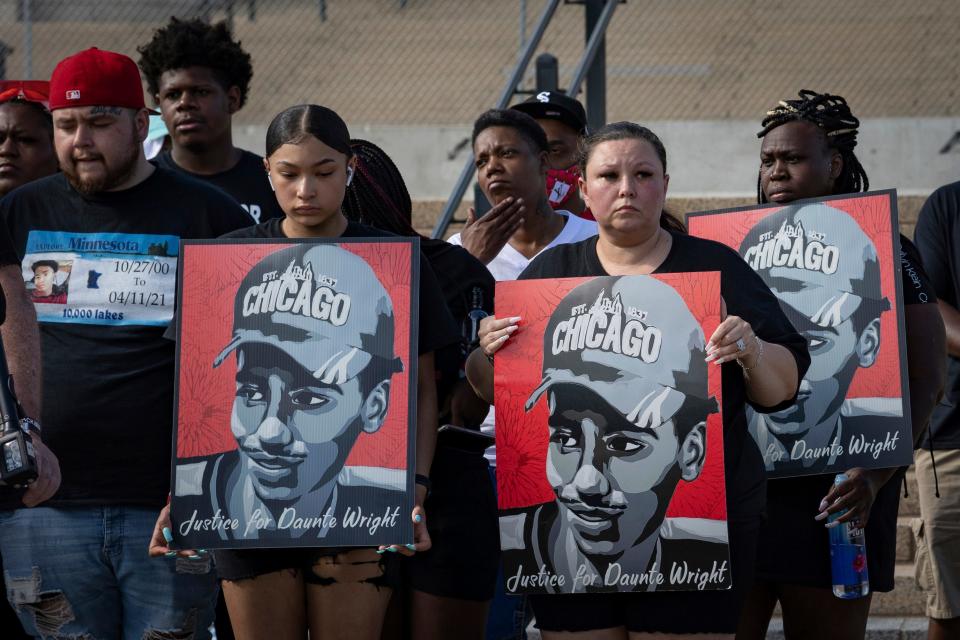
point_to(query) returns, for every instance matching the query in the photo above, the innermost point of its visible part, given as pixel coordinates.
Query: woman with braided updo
(816, 135)
(808, 152)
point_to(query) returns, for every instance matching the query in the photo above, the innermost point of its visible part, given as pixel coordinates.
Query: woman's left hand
(733, 339)
(421, 537)
(856, 495)
(161, 542)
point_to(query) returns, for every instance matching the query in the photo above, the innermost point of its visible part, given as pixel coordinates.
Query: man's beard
(112, 176)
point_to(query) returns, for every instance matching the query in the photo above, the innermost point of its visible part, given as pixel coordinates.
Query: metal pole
(548, 72)
(526, 54)
(592, 65)
(467, 173)
(27, 41)
(4, 52)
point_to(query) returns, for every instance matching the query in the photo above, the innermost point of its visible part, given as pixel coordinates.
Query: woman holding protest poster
(762, 359)
(808, 152)
(333, 592)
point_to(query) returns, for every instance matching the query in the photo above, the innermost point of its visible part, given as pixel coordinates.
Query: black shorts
(317, 565)
(662, 612)
(795, 549)
(462, 519)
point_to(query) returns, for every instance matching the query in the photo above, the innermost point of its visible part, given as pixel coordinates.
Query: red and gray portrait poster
(295, 397)
(609, 436)
(834, 264)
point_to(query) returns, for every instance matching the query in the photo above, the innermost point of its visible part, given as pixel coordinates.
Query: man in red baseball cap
(98, 110)
(112, 224)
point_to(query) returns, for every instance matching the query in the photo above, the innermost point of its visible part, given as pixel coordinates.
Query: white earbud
(270, 180)
(349, 175)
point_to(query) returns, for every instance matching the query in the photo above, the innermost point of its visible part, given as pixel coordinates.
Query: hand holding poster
(609, 436)
(834, 265)
(295, 386)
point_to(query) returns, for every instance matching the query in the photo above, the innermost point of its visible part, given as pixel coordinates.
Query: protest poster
(610, 437)
(834, 264)
(295, 397)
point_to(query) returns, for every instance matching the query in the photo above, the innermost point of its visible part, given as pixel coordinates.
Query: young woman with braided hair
(808, 152)
(450, 586)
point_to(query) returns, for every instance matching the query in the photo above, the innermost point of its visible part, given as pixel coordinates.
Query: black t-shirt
(102, 273)
(246, 182)
(938, 238)
(746, 296)
(792, 503)
(467, 288)
(917, 286)
(8, 254)
(437, 328)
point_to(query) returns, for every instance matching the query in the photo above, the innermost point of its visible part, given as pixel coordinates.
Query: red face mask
(561, 185)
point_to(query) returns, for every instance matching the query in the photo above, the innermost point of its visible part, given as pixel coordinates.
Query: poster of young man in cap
(295, 405)
(833, 263)
(609, 436)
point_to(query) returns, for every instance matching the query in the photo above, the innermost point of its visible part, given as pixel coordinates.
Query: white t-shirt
(510, 263)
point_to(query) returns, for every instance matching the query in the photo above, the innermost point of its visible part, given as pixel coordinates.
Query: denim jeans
(507, 618)
(84, 572)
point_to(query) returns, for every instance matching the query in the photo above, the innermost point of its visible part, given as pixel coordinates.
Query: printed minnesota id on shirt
(101, 278)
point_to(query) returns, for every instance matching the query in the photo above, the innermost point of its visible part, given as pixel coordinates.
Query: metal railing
(597, 24)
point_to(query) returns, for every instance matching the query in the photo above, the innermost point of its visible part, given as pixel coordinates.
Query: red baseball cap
(95, 77)
(37, 91)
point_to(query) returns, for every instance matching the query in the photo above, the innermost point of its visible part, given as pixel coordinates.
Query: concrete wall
(706, 159)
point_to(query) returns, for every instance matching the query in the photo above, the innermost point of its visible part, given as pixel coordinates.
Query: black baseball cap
(553, 105)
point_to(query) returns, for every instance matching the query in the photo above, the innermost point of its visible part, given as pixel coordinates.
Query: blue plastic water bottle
(848, 556)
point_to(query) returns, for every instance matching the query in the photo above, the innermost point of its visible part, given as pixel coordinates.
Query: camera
(18, 464)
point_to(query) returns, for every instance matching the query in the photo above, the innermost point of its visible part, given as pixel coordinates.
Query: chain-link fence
(441, 62)
(412, 75)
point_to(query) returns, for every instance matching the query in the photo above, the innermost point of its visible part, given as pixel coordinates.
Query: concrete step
(878, 628)
(906, 599)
